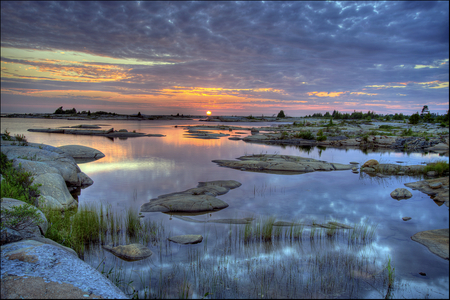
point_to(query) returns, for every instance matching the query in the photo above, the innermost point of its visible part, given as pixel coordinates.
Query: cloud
(256, 48)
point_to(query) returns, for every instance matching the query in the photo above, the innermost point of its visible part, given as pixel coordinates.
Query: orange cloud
(362, 93)
(325, 94)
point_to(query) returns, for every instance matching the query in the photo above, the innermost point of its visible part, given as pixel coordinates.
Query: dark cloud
(330, 46)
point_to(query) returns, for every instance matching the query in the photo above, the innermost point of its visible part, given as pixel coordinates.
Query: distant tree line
(370, 115)
(60, 110)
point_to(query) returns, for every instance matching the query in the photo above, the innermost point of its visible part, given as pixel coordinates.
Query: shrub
(321, 138)
(414, 119)
(20, 217)
(281, 114)
(307, 135)
(17, 184)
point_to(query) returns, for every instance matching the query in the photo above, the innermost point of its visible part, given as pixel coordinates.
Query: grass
(440, 167)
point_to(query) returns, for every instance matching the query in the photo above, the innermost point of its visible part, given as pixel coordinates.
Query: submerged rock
(130, 252)
(186, 239)
(435, 240)
(401, 193)
(201, 198)
(281, 163)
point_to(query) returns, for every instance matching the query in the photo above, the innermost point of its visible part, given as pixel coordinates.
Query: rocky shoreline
(35, 265)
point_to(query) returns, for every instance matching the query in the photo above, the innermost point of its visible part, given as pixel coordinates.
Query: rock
(435, 240)
(354, 163)
(284, 223)
(36, 230)
(401, 193)
(123, 130)
(281, 164)
(186, 239)
(82, 152)
(435, 185)
(439, 194)
(370, 163)
(340, 225)
(423, 273)
(229, 184)
(130, 252)
(9, 235)
(199, 199)
(111, 130)
(84, 180)
(406, 218)
(54, 192)
(44, 240)
(441, 147)
(31, 269)
(66, 165)
(368, 169)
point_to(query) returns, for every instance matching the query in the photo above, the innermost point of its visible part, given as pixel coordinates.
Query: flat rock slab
(186, 239)
(201, 198)
(130, 252)
(82, 152)
(280, 163)
(435, 240)
(107, 133)
(63, 274)
(401, 193)
(428, 187)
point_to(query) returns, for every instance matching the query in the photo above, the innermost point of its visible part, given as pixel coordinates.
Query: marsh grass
(440, 167)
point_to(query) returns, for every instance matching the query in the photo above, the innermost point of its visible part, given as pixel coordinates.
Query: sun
(208, 113)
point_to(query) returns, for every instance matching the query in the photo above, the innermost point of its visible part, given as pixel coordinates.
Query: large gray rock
(186, 239)
(54, 192)
(82, 152)
(435, 240)
(201, 198)
(66, 165)
(42, 270)
(401, 193)
(130, 252)
(281, 163)
(37, 230)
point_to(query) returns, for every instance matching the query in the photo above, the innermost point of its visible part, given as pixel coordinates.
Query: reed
(132, 223)
(267, 229)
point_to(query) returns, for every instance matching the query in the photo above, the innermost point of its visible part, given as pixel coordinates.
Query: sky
(232, 58)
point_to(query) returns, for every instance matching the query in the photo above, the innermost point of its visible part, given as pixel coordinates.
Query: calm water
(138, 169)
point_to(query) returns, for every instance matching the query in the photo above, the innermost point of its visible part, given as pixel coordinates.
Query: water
(138, 169)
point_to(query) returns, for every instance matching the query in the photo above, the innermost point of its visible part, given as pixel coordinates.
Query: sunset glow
(208, 113)
(247, 64)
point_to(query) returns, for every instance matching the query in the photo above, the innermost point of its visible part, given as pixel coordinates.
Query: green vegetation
(281, 114)
(20, 217)
(307, 135)
(17, 184)
(414, 119)
(440, 167)
(321, 136)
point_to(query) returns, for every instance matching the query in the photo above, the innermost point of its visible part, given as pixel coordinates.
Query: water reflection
(139, 169)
